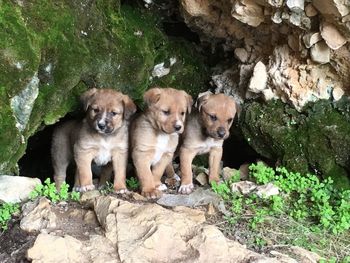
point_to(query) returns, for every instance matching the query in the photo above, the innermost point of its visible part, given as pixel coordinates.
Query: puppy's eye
(166, 112)
(113, 113)
(96, 110)
(229, 120)
(182, 113)
(213, 117)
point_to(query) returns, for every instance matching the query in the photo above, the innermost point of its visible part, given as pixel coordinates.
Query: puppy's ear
(87, 96)
(129, 107)
(152, 96)
(202, 99)
(189, 102)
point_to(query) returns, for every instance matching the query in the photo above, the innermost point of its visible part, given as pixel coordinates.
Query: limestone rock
(267, 190)
(162, 235)
(310, 10)
(337, 93)
(38, 215)
(241, 54)
(244, 171)
(198, 197)
(49, 248)
(243, 187)
(228, 172)
(295, 5)
(259, 79)
(320, 53)
(248, 12)
(15, 189)
(305, 255)
(311, 38)
(202, 178)
(333, 38)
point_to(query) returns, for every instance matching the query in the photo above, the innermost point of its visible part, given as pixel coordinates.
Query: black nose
(177, 127)
(101, 126)
(221, 132)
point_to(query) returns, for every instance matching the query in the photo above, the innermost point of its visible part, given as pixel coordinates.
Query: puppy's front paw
(151, 194)
(122, 191)
(84, 188)
(186, 189)
(162, 187)
(174, 181)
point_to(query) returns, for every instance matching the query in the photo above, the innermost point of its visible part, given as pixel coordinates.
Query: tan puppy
(155, 135)
(205, 132)
(101, 137)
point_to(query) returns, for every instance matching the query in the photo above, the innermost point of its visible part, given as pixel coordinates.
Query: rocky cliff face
(296, 51)
(51, 51)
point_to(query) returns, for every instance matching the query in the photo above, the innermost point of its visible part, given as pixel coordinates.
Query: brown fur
(205, 131)
(101, 137)
(154, 136)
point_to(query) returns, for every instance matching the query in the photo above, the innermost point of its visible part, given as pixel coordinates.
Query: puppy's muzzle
(221, 132)
(177, 127)
(103, 127)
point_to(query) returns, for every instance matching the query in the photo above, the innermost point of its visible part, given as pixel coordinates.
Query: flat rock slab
(15, 189)
(199, 197)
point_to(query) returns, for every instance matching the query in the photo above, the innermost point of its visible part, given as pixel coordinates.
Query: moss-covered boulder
(51, 51)
(316, 140)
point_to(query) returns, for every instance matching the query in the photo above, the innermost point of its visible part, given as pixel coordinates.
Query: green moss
(316, 139)
(73, 45)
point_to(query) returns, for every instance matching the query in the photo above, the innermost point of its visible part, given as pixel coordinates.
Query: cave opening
(37, 160)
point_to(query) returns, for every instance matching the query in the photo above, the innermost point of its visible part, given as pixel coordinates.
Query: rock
(267, 190)
(162, 235)
(87, 196)
(202, 179)
(241, 54)
(305, 255)
(50, 248)
(310, 10)
(337, 93)
(211, 210)
(198, 197)
(333, 38)
(282, 257)
(38, 215)
(310, 39)
(90, 218)
(320, 52)
(15, 189)
(248, 12)
(243, 187)
(138, 197)
(228, 172)
(259, 79)
(295, 5)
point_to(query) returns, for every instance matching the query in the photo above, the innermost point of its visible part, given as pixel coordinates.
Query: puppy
(155, 135)
(101, 137)
(205, 131)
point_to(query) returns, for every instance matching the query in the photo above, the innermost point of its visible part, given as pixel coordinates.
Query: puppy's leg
(215, 155)
(172, 178)
(61, 156)
(142, 165)
(120, 161)
(106, 175)
(159, 168)
(186, 158)
(83, 161)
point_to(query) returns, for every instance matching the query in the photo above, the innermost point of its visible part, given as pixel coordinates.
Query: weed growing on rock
(132, 183)
(308, 212)
(49, 190)
(6, 212)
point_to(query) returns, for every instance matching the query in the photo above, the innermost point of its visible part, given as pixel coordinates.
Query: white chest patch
(161, 147)
(208, 144)
(104, 154)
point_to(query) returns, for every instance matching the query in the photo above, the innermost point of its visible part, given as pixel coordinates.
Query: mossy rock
(52, 51)
(316, 140)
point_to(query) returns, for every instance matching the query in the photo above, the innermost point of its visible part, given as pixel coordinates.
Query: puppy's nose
(221, 132)
(177, 127)
(101, 125)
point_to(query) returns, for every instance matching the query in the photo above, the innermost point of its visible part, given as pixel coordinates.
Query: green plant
(6, 212)
(49, 190)
(307, 212)
(132, 183)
